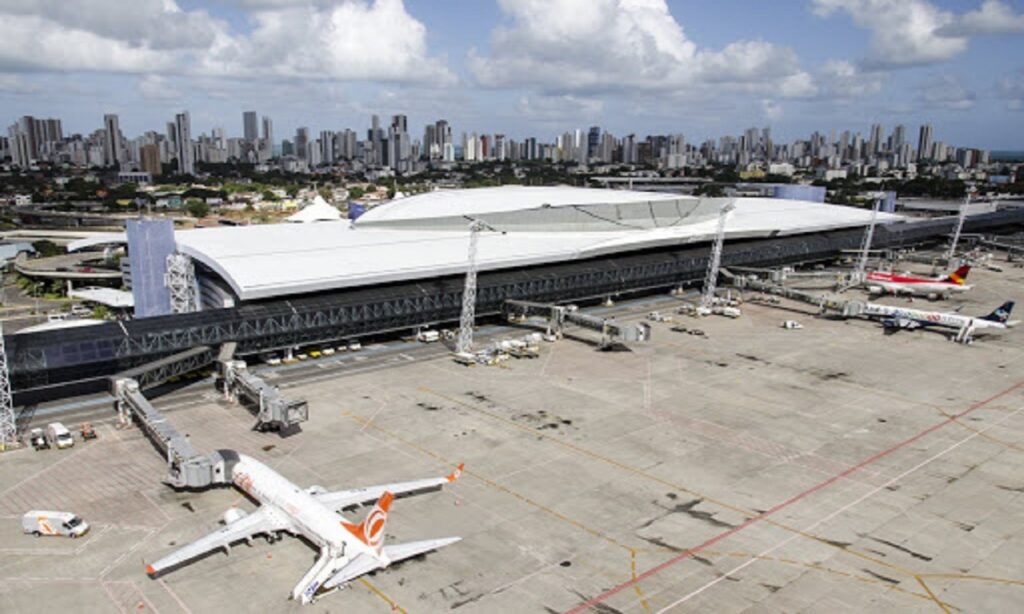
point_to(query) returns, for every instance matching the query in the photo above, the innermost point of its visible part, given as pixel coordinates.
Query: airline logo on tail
(959, 276)
(371, 530)
(1001, 314)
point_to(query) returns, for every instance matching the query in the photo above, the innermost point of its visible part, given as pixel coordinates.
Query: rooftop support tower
(465, 341)
(180, 279)
(707, 299)
(8, 426)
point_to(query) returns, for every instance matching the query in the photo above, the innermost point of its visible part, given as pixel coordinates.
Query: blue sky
(523, 67)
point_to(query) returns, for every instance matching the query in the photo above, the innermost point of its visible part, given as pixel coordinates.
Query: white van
(39, 522)
(59, 436)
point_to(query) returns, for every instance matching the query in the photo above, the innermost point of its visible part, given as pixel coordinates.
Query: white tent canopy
(317, 211)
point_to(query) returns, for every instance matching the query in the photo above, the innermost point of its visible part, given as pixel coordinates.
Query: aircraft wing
(260, 521)
(340, 499)
(364, 563)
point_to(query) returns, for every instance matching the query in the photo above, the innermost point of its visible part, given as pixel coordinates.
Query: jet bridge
(557, 315)
(273, 411)
(186, 468)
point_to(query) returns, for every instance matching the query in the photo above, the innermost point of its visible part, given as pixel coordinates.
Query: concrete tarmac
(753, 469)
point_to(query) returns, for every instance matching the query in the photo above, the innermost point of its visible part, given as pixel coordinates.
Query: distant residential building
(185, 154)
(249, 126)
(302, 143)
(924, 142)
(149, 159)
(111, 140)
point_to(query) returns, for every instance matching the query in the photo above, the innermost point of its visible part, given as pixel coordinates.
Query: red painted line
(687, 554)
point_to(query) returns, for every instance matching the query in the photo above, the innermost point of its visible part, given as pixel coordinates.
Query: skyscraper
(376, 136)
(875, 142)
(249, 126)
(111, 140)
(183, 144)
(149, 157)
(301, 143)
(593, 141)
(924, 142)
(267, 146)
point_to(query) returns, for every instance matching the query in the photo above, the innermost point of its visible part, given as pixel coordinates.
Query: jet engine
(233, 514)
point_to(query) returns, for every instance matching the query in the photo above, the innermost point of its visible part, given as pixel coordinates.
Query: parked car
(354, 346)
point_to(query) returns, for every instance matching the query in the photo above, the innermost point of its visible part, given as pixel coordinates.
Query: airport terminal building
(401, 265)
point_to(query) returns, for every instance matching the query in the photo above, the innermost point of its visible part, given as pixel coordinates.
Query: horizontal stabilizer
(364, 564)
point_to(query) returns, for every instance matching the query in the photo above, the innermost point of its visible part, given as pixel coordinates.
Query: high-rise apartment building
(183, 144)
(149, 159)
(249, 126)
(924, 142)
(301, 143)
(111, 140)
(267, 145)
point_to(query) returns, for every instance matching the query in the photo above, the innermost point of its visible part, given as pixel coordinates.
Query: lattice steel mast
(959, 227)
(707, 299)
(865, 245)
(180, 279)
(465, 341)
(8, 426)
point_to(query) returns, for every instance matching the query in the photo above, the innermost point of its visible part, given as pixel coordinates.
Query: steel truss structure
(8, 425)
(52, 364)
(180, 279)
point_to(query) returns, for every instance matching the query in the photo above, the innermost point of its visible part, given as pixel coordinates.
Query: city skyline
(524, 68)
(391, 147)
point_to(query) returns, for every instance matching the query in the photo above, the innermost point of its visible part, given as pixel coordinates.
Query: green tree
(197, 208)
(46, 249)
(356, 192)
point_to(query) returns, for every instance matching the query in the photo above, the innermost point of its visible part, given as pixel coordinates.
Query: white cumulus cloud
(591, 46)
(993, 17)
(345, 40)
(903, 32)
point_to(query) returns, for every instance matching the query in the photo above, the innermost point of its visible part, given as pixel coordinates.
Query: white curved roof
(266, 261)
(445, 203)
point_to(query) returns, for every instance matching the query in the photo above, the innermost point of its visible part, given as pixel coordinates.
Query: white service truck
(59, 436)
(40, 522)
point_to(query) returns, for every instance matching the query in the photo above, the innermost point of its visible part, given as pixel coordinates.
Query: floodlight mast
(711, 278)
(8, 425)
(951, 252)
(860, 273)
(464, 343)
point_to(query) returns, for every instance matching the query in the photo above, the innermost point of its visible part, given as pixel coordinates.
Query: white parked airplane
(901, 318)
(879, 282)
(347, 551)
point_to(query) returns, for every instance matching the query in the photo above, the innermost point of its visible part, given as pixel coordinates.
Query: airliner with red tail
(347, 550)
(878, 282)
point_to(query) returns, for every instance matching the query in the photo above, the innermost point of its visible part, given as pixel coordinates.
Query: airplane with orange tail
(347, 550)
(879, 282)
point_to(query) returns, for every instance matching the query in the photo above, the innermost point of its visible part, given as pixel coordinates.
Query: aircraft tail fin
(959, 276)
(1001, 314)
(371, 530)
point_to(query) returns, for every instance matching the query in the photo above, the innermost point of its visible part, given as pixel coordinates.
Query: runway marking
(748, 514)
(590, 603)
(821, 568)
(174, 596)
(376, 591)
(941, 605)
(529, 501)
